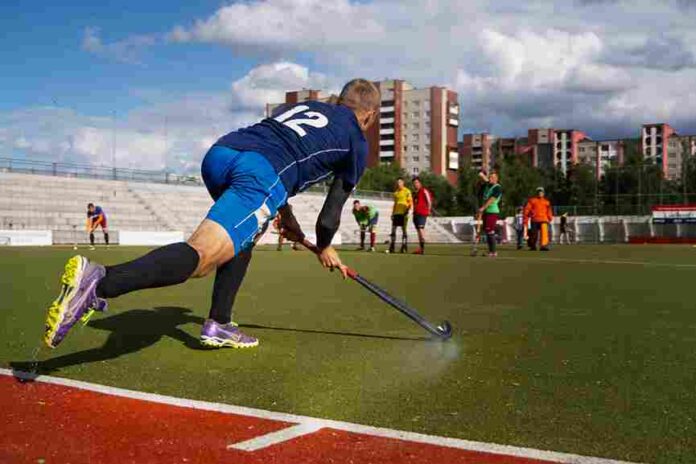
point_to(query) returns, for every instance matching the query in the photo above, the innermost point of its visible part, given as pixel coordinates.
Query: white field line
(468, 445)
(274, 438)
(597, 261)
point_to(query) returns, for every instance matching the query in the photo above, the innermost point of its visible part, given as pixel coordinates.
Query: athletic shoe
(77, 297)
(372, 249)
(492, 255)
(544, 249)
(404, 249)
(360, 248)
(419, 251)
(216, 335)
(91, 247)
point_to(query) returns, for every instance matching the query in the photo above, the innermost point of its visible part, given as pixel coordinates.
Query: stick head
(444, 330)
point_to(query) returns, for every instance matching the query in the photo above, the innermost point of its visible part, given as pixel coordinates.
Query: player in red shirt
(422, 206)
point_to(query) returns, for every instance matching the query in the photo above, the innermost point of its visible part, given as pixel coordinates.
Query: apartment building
(479, 150)
(417, 128)
(600, 154)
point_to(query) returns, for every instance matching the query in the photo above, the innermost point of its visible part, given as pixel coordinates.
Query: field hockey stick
(477, 237)
(443, 331)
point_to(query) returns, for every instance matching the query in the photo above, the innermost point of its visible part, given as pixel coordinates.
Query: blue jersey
(306, 143)
(98, 211)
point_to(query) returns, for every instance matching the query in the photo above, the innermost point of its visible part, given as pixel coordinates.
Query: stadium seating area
(59, 204)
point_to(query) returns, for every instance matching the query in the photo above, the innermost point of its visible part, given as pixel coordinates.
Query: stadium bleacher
(29, 201)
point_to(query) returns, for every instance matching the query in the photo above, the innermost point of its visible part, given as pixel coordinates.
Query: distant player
(518, 225)
(403, 201)
(281, 239)
(250, 173)
(367, 218)
(422, 206)
(538, 214)
(96, 217)
(490, 210)
(565, 232)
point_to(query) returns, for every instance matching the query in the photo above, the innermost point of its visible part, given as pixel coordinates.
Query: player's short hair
(90, 205)
(360, 95)
(356, 202)
(417, 178)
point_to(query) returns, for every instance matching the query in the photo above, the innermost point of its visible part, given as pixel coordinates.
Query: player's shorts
(371, 224)
(399, 220)
(419, 221)
(97, 221)
(247, 193)
(490, 222)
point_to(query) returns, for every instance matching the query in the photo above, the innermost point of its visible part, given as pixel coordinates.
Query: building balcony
(386, 120)
(453, 122)
(387, 109)
(454, 109)
(386, 131)
(386, 154)
(386, 143)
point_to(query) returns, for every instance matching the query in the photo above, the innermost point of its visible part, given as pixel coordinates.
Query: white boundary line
(593, 261)
(273, 438)
(468, 445)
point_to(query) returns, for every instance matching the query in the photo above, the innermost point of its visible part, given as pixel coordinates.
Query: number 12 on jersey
(307, 118)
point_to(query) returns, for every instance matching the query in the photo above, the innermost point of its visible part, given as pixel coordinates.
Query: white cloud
(125, 51)
(171, 132)
(286, 25)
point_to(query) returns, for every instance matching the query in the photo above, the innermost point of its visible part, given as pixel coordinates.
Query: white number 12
(311, 118)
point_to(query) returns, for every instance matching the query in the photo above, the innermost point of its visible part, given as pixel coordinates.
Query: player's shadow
(130, 331)
(329, 332)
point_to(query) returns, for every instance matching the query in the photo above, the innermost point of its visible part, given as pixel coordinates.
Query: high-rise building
(417, 128)
(600, 154)
(659, 145)
(478, 150)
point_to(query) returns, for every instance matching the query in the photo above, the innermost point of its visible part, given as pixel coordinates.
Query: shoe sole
(70, 280)
(214, 342)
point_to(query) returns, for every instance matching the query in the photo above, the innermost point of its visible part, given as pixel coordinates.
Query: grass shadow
(130, 331)
(328, 332)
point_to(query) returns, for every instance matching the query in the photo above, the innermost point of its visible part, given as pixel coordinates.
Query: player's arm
(428, 199)
(328, 222)
(409, 202)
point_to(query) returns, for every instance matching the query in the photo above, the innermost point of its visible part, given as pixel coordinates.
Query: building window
(416, 102)
(416, 125)
(405, 147)
(414, 147)
(415, 170)
(414, 114)
(415, 136)
(416, 158)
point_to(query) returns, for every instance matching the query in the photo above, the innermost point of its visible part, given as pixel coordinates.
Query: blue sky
(158, 81)
(46, 64)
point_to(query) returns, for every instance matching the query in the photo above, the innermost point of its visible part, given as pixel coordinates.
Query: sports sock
(404, 239)
(392, 244)
(373, 239)
(362, 239)
(91, 238)
(422, 245)
(228, 279)
(490, 238)
(167, 265)
(106, 238)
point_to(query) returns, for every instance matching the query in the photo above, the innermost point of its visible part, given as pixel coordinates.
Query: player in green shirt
(490, 210)
(367, 217)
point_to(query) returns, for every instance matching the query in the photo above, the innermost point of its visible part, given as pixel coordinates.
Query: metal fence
(94, 172)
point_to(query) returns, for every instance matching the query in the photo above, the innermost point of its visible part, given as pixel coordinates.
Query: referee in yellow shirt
(403, 201)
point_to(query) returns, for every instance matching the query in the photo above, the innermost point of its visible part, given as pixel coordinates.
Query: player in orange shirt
(537, 216)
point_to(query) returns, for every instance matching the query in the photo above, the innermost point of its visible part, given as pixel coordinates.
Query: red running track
(44, 422)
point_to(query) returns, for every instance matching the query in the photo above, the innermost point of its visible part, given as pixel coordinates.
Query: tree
(381, 178)
(519, 180)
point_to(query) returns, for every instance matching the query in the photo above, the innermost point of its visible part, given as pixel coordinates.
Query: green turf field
(589, 350)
